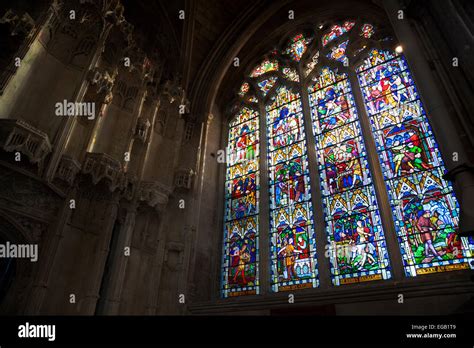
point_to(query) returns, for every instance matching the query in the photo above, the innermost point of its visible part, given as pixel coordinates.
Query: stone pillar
(460, 170)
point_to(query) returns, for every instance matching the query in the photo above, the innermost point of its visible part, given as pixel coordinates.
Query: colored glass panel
(290, 74)
(336, 31)
(367, 31)
(244, 89)
(267, 84)
(424, 207)
(311, 64)
(292, 245)
(297, 47)
(266, 66)
(356, 239)
(339, 53)
(240, 247)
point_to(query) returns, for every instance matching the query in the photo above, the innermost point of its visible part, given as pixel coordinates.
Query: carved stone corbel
(153, 193)
(103, 167)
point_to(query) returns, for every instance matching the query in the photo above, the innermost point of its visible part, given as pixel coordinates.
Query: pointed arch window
(350, 168)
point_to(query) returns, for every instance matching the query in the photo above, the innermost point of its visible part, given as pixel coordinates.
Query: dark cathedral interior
(236, 158)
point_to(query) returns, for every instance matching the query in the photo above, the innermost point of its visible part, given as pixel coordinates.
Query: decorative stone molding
(17, 135)
(153, 193)
(103, 167)
(183, 178)
(67, 169)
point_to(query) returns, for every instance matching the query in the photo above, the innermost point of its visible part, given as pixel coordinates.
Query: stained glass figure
(297, 47)
(424, 207)
(240, 250)
(266, 66)
(292, 245)
(357, 244)
(336, 31)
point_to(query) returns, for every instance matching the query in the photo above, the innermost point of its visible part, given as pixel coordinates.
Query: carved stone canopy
(103, 167)
(17, 135)
(67, 169)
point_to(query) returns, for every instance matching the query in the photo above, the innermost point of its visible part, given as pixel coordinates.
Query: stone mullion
(319, 224)
(385, 210)
(264, 207)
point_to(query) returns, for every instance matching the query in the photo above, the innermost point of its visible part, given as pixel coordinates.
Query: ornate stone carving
(17, 135)
(73, 41)
(67, 169)
(183, 178)
(19, 24)
(141, 129)
(173, 92)
(103, 81)
(153, 193)
(103, 167)
(23, 193)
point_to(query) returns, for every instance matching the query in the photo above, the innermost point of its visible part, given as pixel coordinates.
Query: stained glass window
(267, 84)
(264, 67)
(424, 207)
(297, 47)
(355, 235)
(336, 31)
(339, 53)
(311, 64)
(240, 275)
(293, 252)
(367, 31)
(244, 89)
(290, 74)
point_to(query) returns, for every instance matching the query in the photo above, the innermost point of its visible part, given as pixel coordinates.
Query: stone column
(460, 170)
